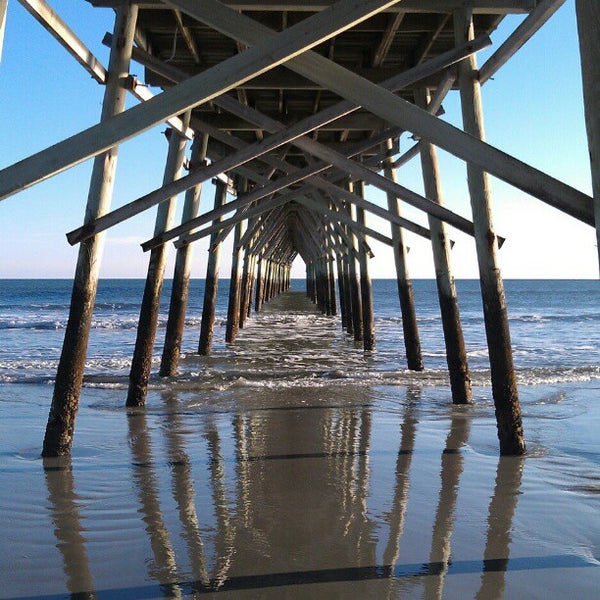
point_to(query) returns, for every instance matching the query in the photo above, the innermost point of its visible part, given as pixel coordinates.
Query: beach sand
(329, 490)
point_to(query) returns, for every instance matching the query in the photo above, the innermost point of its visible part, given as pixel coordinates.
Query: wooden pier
(291, 109)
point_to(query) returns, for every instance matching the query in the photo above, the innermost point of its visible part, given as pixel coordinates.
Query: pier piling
(182, 271)
(211, 283)
(504, 383)
(69, 376)
(456, 353)
(141, 363)
(412, 342)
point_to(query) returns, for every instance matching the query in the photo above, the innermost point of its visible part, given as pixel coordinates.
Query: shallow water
(291, 465)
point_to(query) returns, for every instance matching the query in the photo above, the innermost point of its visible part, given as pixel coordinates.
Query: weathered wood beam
(211, 284)
(3, 11)
(188, 37)
(387, 38)
(530, 25)
(360, 172)
(419, 6)
(281, 79)
(357, 121)
(262, 207)
(52, 22)
(405, 114)
(196, 90)
(366, 289)
(142, 93)
(588, 17)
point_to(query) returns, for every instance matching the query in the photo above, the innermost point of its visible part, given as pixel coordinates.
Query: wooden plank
(143, 94)
(196, 90)
(500, 7)
(52, 22)
(405, 114)
(188, 37)
(588, 15)
(3, 11)
(530, 25)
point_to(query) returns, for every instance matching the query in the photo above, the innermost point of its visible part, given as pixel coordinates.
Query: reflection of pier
(288, 505)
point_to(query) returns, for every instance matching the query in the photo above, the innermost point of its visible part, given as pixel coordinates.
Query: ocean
(292, 464)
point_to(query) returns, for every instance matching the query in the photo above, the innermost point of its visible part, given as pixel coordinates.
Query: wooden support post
(357, 318)
(141, 363)
(211, 284)
(3, 10)
(323, 286)
(69, 377)
(504, 383)
(260, 285)
(366, 293)
(588, 24)
(235, 284)
(253, 282)
(339, 263)
(348, 291)
(181, 274)
(456, 354)
(412, 343)
(247, 306)
(244, 291)
(331, 278)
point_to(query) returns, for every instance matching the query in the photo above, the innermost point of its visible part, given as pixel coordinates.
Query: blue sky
(533, 109)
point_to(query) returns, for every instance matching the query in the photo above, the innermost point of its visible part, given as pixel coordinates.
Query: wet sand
(323, 491)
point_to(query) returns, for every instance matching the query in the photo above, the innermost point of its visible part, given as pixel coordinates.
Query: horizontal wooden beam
(282, 79)
(196, 90)
(500, 7)
(405, 114)
(357, 121)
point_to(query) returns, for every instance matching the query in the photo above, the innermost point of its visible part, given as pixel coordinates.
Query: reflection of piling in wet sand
(452, 466)
(183, 491)
(68, 528)
(501, 512)
(402, 485)
(164, 566)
